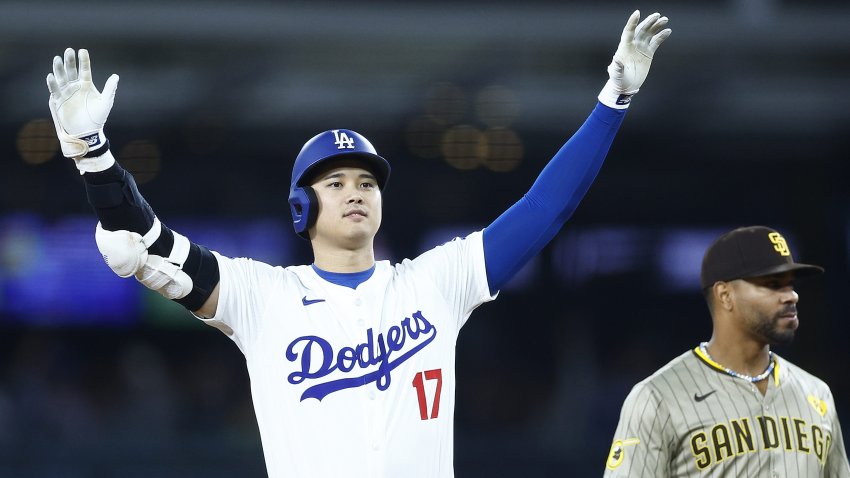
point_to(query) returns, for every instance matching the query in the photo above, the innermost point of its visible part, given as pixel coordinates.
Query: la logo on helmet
(342, 140)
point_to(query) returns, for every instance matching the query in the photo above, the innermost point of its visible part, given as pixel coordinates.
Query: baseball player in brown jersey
(730, 407)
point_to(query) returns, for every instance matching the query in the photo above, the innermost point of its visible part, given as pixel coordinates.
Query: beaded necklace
(757, 378)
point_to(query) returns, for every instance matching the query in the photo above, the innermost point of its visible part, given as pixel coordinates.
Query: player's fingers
(70, 64)
(52, 86)
(644, 25)
(85, 65)
(616, 69)
(110, 88)
(658, 25)
(658, 39)
(629, 30)
(58, 70)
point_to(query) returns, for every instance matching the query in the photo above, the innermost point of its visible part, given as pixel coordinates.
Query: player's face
(349, 205)
(767, 306)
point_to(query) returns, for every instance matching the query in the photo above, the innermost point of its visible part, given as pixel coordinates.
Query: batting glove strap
(611, 97)
(98, 150)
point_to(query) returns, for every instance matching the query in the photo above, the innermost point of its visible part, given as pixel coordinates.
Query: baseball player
(351, 360)
(731, 407)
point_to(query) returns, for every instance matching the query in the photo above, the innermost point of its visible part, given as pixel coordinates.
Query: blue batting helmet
(330, 145)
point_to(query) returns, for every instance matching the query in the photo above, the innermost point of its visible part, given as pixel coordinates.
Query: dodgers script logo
(317, 357)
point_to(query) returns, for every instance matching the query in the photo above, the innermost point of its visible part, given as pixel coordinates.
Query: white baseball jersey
(692, 419)
(354, 382)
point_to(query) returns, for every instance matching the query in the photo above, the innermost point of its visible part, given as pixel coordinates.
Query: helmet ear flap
(304, 206)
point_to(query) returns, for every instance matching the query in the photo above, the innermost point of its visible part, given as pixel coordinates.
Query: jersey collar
(719, 368)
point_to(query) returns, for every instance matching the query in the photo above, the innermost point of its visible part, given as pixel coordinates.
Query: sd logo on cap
(750, 252)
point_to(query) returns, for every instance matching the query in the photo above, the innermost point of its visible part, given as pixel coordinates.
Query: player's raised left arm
(129, 235)
(526, 227)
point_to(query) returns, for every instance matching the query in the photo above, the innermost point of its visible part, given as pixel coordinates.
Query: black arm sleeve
(116, 200)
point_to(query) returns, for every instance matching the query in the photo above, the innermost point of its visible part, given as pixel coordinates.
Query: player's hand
(631, 62)
(79, 110)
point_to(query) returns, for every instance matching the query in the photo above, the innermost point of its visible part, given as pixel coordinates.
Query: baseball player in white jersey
(730, 407)
(351, 360)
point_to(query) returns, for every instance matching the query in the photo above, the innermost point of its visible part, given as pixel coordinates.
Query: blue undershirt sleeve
(525, 228)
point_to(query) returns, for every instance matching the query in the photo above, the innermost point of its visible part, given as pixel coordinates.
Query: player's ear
(724, 295)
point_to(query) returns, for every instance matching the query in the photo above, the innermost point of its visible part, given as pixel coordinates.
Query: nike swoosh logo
(306, 301)
(700, 398)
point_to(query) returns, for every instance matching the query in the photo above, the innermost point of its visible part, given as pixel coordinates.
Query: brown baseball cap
(750, 252)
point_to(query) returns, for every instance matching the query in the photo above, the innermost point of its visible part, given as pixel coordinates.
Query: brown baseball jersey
(691, 418)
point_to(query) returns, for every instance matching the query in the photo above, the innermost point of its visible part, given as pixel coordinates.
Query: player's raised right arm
(130, 237)
(525, 228)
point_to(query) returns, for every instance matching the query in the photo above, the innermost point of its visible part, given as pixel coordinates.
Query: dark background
(742, 121)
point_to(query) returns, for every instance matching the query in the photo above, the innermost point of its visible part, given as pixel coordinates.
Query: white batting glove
(80, 111)
(631, 61)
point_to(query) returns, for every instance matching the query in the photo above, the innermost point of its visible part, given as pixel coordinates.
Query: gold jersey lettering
(786, 432)
(818, 442)
(826, 443)
(700, 450)
(722, 444)
(743, 435)
(769, 433)
(800, 428)
(740, 436)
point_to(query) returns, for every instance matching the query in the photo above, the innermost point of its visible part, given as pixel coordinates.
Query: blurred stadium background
(742, 121)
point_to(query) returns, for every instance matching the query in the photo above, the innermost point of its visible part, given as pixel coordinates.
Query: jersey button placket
(358, 307)
(375, 419)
